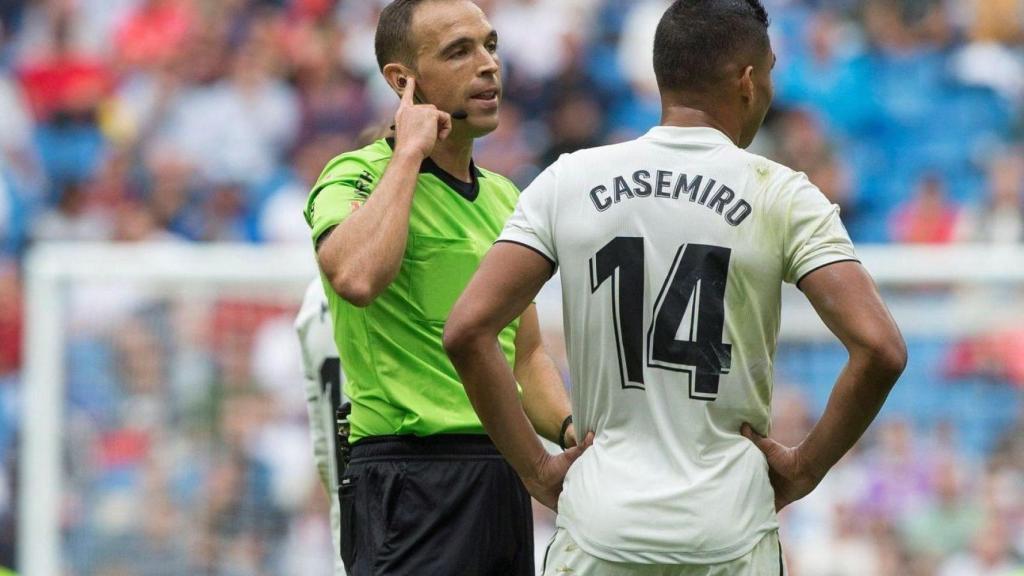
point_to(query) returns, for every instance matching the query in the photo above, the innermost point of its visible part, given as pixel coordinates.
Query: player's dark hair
(696, 39)
(394, 41)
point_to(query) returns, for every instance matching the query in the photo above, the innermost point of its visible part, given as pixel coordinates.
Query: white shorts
(565, 557)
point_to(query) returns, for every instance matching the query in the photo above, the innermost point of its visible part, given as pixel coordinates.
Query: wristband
(565, 428)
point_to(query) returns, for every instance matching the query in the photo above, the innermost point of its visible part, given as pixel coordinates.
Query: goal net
(165, 429)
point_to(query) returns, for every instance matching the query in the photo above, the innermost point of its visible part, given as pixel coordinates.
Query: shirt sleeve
(343, 188)
(814, 234)
(532, 222)
(305, 326)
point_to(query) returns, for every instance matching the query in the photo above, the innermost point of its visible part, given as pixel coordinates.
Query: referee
(400, 227)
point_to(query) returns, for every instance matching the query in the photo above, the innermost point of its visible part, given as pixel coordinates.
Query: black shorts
(446, 505)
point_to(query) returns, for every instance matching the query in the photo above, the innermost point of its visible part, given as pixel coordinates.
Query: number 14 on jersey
(694, 290)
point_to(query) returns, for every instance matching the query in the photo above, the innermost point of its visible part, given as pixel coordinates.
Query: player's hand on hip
(419, 127)
(546, 483)
(791, 478)
(570, 436)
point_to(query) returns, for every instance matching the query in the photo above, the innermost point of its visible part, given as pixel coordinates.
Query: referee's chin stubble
(477, 123)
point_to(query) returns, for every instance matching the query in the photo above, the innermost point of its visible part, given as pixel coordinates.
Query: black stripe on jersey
(554, 265)
(324, 235)
(823, 266)
(468, 190)
(544, 563)
(781, 565)
(330, 377)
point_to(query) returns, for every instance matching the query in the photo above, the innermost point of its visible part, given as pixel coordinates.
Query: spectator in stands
(999, 219)
(950, 517)
(334, 101)
(991, 554)
(804, 145)
(280, 214)
(636, 43)
(235, 130)
(842, 549)
(538, 51)
(996, 21)
(509, 149)
(929, 217)
(72, 220)
(154, 32)
(576, 122)
(64, 88)
(10, 318)
(12, 216)
(898, 473)
(16, 127)
(171, 192)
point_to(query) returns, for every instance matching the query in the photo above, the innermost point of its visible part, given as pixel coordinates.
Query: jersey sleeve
(342, 189)
(814, 235)
(531, 224)
(306, 328)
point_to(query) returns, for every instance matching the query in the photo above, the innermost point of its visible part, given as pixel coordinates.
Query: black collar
(468, 190)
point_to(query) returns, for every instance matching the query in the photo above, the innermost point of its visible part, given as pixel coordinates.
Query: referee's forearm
(544, 397)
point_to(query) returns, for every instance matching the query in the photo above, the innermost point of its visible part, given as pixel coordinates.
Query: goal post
(51, 272)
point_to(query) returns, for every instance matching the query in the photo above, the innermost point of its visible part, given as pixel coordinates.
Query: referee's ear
(396, 76)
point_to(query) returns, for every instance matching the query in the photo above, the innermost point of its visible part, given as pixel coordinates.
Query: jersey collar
(468, 190)
(688, 135)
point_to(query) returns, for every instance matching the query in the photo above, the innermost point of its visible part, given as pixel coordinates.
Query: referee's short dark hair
(394, 41)
(696, 39)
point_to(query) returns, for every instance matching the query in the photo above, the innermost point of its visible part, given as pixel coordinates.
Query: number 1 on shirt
(694, 290)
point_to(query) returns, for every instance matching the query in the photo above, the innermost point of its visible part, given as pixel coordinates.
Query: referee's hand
(546, 483)
(419, 127)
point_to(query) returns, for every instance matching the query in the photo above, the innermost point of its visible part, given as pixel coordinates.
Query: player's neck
(454, 156)
(689, 117)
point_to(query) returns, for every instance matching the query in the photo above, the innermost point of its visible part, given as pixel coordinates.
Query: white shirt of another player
(672, 250)
(323, 374)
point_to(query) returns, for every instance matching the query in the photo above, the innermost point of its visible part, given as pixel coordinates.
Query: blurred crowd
(208, 120)
(907, 501)
(203, 120)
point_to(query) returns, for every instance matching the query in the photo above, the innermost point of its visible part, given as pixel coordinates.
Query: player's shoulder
(775, 183)
(767, 171)
(587, 156)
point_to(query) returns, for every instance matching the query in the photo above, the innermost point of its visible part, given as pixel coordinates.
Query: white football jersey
(323, 396)
(673, 249)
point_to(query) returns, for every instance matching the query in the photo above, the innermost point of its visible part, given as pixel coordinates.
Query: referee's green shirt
(397, 374)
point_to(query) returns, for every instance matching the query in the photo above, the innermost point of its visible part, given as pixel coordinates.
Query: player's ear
(397, 76)
(748, 90)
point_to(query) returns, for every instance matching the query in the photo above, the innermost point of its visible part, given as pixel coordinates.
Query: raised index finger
(408, 98)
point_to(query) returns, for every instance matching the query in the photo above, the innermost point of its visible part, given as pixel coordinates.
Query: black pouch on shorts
(347, 507)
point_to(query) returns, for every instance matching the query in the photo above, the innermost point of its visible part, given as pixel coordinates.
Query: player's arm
(314, 410)
(361, 256)
(544, 397)
(846, 298)
(506, 283)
